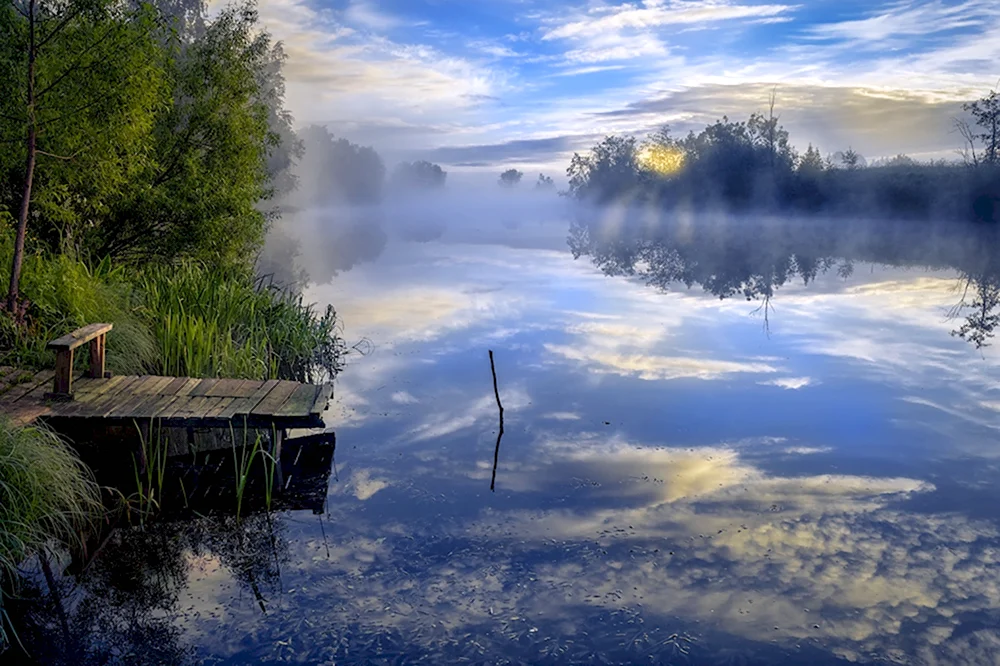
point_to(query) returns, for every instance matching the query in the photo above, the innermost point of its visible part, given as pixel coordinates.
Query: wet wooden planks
(178, 401)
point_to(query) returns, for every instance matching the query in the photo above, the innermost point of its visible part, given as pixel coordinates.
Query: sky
(482, 85)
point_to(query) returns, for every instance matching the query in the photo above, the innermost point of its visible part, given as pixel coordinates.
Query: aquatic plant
(46, 495)
(149, 465)
(243, 460)
(187, 319)
(223, 322)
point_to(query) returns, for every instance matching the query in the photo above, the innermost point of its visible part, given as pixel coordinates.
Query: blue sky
(477, 85)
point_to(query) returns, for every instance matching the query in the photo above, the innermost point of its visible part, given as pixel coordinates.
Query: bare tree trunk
(29, 172)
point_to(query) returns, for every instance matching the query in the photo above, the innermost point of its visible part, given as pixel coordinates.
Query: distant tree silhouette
(544, 182)
(346, 172)
(609, 170)
(811, 161)
(419, 175)
(510, 178)
(850, 159)
(742, 166)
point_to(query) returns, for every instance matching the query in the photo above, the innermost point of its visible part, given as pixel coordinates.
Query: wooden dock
(170, 401)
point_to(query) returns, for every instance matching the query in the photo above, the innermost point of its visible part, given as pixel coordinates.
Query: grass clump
(184, 319)
(223, 322)
(65, 294)
(46, 495)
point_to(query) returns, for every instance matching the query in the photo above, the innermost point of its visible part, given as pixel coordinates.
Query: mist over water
(689, 394)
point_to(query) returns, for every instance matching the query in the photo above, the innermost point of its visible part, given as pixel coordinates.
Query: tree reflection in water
(120, 605)
(754, 258)
(123, 607)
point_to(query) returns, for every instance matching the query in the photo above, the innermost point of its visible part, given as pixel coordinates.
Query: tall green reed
(218, 321)
(149, 466)
(65, 293)
(47, 496)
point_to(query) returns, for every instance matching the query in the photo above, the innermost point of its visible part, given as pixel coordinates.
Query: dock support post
(278, 438)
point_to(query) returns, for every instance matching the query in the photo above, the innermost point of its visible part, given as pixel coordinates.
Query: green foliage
(99, 83)
(154, 144)
(46, 495)
(220, 322)
(198, 196)
(182, 320)
(65, 294)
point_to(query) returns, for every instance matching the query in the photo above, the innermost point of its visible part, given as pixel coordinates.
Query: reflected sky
(677, 483)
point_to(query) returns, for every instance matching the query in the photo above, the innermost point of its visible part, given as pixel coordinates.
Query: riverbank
(183, 319)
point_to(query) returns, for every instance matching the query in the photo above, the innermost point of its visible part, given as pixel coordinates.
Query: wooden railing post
(97, 357)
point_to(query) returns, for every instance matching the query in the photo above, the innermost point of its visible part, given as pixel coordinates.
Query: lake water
(680, 479)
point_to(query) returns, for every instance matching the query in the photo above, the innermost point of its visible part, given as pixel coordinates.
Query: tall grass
(223, 322)
(46, 495)
(65, 294)
(149, 466)
(185, 319)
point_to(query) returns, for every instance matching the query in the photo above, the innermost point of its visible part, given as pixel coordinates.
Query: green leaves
(153, 144)
(99, 82)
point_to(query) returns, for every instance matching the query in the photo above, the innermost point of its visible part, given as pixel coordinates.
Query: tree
(850, 159)
(986, 113)
(900, 160)
(200, 194)
(610, 169)
(341, 171)
(419, 175)
(767, 134)
(544, 182)
(510, 178)
(80, 83)
(811, 162)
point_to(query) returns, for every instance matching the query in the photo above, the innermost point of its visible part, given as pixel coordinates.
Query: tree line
(752, 165)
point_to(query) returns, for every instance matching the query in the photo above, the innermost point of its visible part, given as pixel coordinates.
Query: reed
(149, 465)
(222, 322)
(242, 463)
(64, 294)
(47, 496)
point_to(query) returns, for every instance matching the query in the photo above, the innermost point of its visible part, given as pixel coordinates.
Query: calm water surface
(679, 480)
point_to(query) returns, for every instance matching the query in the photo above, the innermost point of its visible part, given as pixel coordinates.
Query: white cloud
(561, 416)
(807, 450)
(603, 19)
(790, 383)
(363, 486)
(404, 398)
(364, 13)
(653, 366)
(905, 19)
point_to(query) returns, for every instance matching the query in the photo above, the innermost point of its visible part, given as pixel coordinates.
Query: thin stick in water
(496, 451)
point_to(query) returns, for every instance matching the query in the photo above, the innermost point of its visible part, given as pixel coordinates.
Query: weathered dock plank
(299, 402)
(174, 401)
(92, 397)
(275, 398)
